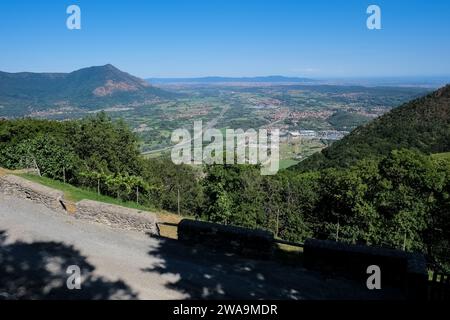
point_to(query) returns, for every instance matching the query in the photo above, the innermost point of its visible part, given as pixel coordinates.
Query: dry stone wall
(398, 268)
(247, 242)
(22, 188)
(116, 216)
(111, 215)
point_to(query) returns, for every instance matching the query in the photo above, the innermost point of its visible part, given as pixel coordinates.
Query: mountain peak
(95, 69)
(109, 67)
(107, 80)
(91, 87)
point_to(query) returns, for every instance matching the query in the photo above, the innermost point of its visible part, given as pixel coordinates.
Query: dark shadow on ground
(38, 271)
(207, 274)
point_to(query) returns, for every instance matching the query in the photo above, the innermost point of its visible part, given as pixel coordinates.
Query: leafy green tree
(407, 197)
(346, 204)
(105, 145)
(44, 153)
(173, 185)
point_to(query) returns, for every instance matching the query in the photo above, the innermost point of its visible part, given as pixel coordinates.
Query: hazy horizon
(240, 75)
(176, 39)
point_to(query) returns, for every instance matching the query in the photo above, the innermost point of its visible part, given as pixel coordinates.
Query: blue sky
(184, 38)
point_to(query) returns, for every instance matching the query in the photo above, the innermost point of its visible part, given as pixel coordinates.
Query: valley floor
(37, 245)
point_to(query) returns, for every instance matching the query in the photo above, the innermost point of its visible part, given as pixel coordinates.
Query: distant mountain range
(422, 124)
(88, 88)
(217, 80)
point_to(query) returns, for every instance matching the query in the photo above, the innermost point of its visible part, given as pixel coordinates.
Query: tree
(411, 183)
(53, 159)
(105, 145)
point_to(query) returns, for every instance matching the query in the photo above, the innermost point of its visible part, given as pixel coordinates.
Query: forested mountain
(422, 124)
(88, 88)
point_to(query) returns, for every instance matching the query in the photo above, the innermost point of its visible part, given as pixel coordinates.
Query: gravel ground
(37, 245)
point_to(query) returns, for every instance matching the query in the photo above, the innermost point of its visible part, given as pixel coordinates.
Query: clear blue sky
(168, 38)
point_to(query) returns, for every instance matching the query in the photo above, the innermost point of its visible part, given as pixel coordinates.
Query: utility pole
(404, 242)
(178, 200)
(337, 232)
(64, 175)
(36, 167)
(137, 194)
(277, 222)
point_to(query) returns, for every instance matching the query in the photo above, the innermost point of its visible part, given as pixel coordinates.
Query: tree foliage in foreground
(99, 154)
(399, 200)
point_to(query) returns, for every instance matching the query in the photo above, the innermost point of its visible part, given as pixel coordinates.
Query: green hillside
(88, 88)
(422, 124)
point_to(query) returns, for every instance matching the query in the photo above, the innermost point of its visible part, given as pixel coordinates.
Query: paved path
(115, 254)
(37, 245)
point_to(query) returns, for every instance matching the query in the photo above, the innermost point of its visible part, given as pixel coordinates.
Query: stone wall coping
(113, 208)
(33, 186)
(105, 213)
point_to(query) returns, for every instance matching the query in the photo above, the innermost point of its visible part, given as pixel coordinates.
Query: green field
(285, 107)
(284, 164)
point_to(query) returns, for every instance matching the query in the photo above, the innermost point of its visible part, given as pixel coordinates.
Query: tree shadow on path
(203, 273)
(38, 271)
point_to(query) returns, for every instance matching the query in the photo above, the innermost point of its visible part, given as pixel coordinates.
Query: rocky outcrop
(22, 188)
(117, 216)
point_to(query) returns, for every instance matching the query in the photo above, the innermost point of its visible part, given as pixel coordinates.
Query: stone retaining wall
(117, 216)
(112, 215)
(398, 268)
(22, 188)
(247, 242)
